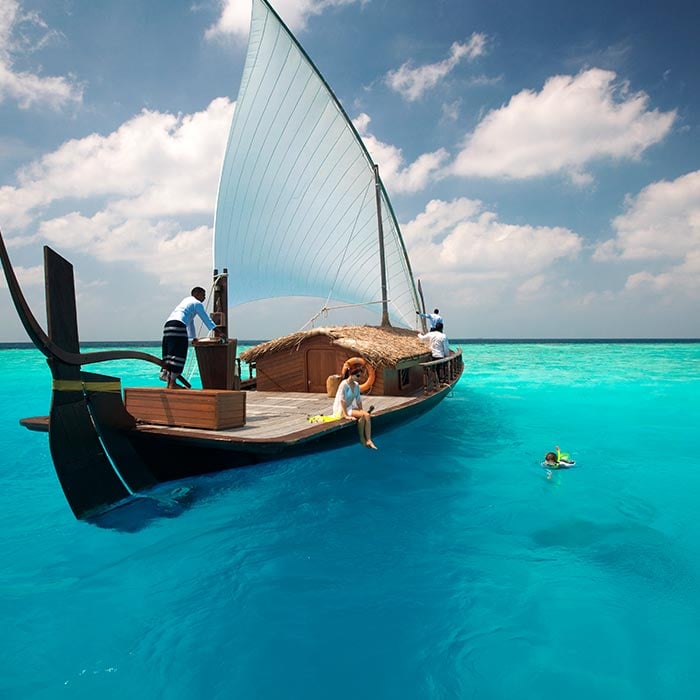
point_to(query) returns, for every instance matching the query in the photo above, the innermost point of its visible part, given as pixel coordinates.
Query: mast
(382, 259)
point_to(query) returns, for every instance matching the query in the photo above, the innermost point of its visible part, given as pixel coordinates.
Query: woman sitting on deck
(347, 394)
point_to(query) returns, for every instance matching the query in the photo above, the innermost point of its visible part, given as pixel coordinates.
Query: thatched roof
(379, 345)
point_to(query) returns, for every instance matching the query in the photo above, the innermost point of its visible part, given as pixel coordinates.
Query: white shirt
(434, 319)
(347, 395)
(186, 311)
(439, 345)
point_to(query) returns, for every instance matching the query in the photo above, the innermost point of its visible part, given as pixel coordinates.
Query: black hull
(170, 458)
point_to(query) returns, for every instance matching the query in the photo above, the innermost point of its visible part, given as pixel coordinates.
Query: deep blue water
(445, 565)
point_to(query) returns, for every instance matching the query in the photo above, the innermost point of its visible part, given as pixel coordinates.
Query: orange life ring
(371, 375)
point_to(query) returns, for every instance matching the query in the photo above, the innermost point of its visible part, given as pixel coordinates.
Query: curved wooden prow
(89, 426)
(82, 465)
(94, 458)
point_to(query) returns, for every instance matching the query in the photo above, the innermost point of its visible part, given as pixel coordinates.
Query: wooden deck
(283, 417)
(270, 417)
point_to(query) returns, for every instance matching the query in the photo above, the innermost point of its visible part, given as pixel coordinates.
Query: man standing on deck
(178, 330)
(439, 346)
(433, 318)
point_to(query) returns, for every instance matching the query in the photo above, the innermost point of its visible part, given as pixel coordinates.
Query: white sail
(296, 211)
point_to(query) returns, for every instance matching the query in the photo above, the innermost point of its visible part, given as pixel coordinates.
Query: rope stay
(323, 311)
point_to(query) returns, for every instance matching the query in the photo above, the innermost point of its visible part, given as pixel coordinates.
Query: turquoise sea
(445, 565)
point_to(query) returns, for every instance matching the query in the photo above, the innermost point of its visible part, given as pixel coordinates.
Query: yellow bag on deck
(322, 419)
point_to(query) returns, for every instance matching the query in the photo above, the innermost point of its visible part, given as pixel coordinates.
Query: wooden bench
(211, 409)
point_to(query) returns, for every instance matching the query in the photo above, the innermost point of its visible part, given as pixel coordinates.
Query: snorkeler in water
(558, 459)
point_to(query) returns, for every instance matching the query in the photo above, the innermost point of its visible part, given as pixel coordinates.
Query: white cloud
(411, 83)
(570, 123)
(450, 110)
(662, 221)
(661, 226)
(154, 165)
(532, 288)
(497, 275)
(438, 219)
(234, 17)
(29, 89)
(26, 276)
(457, 240)
(120, 197)
(679, 280)
(398, 176)
(161, 248)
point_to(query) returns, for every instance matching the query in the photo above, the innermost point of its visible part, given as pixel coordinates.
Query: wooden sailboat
(299, 198)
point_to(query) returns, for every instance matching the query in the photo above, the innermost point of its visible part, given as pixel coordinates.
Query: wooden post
(217, 358)
(220, 306)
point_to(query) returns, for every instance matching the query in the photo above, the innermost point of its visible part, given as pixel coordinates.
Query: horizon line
(21, 344)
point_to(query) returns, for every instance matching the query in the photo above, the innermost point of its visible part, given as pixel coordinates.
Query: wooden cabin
(303, 361)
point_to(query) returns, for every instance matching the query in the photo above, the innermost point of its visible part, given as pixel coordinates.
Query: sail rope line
(310, 225)
(392, 235)
(268, 139)
(281, 187)
(396, 251)
(247, 117)
(300, 198)
(339, 229)
(273, 215)
(349, 240)
(325, 308)
(188, 371)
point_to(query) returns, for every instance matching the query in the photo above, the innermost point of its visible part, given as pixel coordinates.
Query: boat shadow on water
(141, 510)
(172, 499)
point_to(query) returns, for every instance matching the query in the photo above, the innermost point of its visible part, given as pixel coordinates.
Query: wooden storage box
(211, 409)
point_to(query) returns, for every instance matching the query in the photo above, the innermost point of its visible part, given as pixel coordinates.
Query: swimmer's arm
(562, 455)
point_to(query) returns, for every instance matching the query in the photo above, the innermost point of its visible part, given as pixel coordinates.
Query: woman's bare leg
(368, 434)
(361, 428)
(364, 428)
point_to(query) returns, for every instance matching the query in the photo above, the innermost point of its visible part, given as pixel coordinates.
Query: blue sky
(542, 157)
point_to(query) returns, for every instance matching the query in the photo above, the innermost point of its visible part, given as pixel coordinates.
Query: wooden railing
(241, 382)
(437, 373)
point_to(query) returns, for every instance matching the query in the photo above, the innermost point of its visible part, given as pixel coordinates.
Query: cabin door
(320, 363)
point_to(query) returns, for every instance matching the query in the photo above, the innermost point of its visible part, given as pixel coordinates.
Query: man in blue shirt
(433, 318)
(178, 330)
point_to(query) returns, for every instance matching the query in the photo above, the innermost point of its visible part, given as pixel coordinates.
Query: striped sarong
(175, 344)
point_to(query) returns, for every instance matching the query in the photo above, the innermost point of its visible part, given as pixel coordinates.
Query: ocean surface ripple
(449, 564)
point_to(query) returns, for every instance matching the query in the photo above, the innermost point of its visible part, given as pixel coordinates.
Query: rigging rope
(325, 309)
(345, 251)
